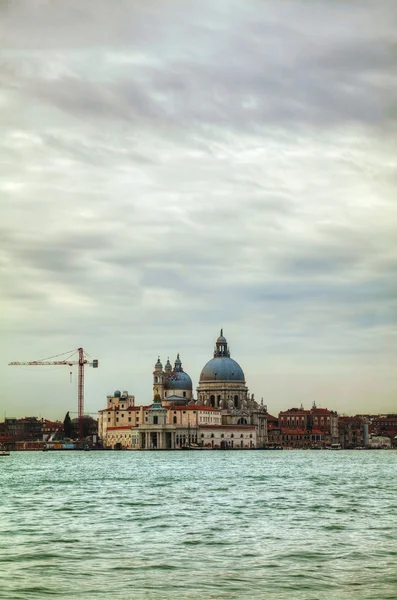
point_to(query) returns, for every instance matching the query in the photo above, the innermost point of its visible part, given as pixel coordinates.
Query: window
(174, 420)
(232, 435)
(242, 435)
(184, 412)
(202, 435)
(129, 419)
(223, 435)
(117, 419)
(108, 420)
(235, 401)
(155, 420)
(212, 401)
(184, 394)
(212, 435)
(174, 412)
(122, 415)
(242, 421)
(108, 413)
(122, 406)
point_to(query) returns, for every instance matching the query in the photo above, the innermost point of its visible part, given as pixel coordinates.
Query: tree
(68, 428)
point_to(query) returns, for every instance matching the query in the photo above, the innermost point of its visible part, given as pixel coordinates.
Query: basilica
(222, 415)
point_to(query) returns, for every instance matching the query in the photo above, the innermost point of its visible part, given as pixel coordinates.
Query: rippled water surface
(131, 525)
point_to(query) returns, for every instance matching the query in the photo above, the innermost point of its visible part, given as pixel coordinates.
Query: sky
(169, 168)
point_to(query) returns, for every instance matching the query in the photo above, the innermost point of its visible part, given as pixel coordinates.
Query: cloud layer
(172, 167)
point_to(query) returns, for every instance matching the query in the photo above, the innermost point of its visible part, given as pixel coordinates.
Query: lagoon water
(298, 525)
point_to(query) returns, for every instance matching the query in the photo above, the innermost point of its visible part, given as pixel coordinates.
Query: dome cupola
(222, 367)
(158, 366)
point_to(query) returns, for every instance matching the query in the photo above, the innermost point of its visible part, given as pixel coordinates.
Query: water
(156, 525)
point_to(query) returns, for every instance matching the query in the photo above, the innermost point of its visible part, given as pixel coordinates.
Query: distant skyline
(171, 168)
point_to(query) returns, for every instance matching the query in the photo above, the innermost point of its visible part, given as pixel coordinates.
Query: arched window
(174, 420)
(235, 401)
(232, 435)
(242, 435)
(219, 400)
(212, 435)
(212, 401)
(202, 435)
(155, 420)
(242, 421)
(184, 394)
(223, 435)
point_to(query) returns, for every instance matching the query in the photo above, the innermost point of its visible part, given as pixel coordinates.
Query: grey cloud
(172, 169)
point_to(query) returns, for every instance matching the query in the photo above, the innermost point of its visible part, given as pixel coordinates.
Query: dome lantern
(221, 347)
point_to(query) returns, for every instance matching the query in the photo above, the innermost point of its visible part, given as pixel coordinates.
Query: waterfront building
(353, 432)
(176, 427)
(300, 428)
(223, 415)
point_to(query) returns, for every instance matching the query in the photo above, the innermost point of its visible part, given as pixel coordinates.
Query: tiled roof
(271, 419)
(293, 431)
(227, 427)
(193, 407)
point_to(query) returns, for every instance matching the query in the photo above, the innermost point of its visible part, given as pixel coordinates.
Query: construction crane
(81, 362)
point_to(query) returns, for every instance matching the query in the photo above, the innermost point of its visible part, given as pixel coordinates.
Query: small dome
(179, 380)
(117, 394)
(221, 339)
(158, 364)
(222, 368)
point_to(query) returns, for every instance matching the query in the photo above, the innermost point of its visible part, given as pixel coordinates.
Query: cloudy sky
(172, 167)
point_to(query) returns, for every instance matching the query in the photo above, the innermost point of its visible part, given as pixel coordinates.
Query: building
(222, 385)
(224, 415)
(173, 385)
(353, 432)
(300, 428)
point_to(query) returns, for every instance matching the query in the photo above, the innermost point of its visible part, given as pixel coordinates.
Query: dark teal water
(158, 525)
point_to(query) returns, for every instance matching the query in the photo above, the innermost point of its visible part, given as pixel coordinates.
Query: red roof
(271, 419)
(192, 407)
(226, 427)
(293, 431)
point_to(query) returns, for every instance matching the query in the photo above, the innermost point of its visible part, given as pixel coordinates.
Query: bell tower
(158, 379)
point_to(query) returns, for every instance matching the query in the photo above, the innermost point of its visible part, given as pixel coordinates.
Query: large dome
(222, 368)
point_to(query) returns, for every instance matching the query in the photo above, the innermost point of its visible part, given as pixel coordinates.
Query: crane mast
(80, 362)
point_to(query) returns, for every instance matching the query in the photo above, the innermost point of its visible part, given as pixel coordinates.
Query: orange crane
(81, 362)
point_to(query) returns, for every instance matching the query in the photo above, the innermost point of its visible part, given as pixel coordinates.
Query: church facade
(223, 415)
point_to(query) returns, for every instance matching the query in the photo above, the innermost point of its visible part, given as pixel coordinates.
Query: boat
(4, 452)
(191, 447)
(335, 447)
